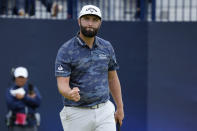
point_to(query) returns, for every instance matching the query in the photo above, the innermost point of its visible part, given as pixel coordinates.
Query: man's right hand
(19, 96)
(74, 94)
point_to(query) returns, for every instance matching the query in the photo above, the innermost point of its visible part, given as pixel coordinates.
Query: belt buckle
(95, 106)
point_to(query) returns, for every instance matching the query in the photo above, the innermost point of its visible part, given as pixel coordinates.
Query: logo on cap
(91, 10)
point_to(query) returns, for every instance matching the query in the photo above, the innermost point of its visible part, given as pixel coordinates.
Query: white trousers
(84, 119)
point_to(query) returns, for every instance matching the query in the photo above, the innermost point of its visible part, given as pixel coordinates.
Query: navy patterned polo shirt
(87, 68)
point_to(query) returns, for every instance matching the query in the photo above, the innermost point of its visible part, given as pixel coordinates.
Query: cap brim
(89, 14)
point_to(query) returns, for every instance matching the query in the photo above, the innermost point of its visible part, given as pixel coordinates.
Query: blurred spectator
(52, 7)
(3, 7)
(30, 7)
(138, 8)
(23, 99)
(19, 7)
(71, 9)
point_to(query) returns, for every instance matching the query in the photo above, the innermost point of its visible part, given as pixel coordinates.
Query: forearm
(64, 90)
(33, 99)
(115, 89)
(63, 87)
(34, 102)
(15, 105)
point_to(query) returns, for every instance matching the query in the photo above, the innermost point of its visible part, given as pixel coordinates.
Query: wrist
(67, 95)
(119, 107)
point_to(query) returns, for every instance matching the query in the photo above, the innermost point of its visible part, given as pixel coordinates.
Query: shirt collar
(82, 43)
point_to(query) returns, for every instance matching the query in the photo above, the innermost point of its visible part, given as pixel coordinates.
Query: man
(86, 70)
(23, 100)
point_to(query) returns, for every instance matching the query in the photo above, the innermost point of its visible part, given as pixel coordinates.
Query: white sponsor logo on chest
(102, 56)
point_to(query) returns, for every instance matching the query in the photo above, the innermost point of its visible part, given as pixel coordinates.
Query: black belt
(89, 107)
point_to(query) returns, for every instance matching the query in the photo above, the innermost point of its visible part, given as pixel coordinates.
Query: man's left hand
(119, 116)
(32, 95)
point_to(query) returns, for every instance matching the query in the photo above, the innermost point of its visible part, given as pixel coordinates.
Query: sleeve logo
(60, 68)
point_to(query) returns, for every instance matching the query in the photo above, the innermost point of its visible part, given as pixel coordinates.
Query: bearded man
(85, 69)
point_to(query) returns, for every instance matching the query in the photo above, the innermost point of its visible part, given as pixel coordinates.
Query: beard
(89, 33)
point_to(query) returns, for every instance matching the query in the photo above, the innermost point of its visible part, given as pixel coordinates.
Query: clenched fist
(74, 94)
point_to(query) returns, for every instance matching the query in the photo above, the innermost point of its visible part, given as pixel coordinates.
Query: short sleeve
(62, 63)
(113, 65)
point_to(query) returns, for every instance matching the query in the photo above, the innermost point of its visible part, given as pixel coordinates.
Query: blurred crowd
(28, 7)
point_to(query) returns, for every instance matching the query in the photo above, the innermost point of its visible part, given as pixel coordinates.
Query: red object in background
(20, 119)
